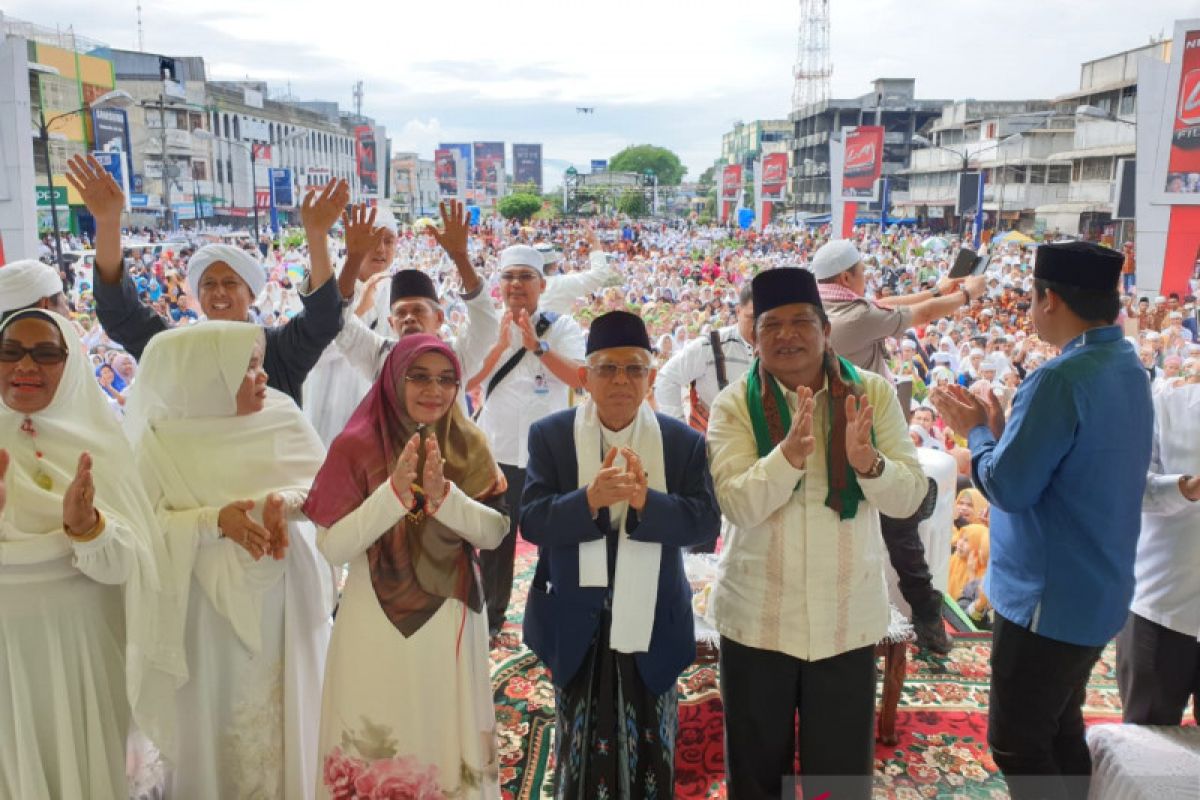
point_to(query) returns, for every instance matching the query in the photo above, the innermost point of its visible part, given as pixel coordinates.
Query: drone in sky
(585, 109)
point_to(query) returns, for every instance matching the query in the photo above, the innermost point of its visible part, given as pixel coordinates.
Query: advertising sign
(489, 168)
(446, 171)
(599, 165)
(463, 150)
(281, 186)
(774, 176)
(731, 182)
(863, 164)
(114, 164)
(43, 196)
(366, 159)
(527, 164)
(1180, 176)
(110, 129)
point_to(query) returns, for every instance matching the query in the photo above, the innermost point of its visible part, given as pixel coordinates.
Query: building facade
(414, 187)
(891, 104)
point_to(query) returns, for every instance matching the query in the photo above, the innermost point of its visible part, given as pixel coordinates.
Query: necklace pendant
(43, 481)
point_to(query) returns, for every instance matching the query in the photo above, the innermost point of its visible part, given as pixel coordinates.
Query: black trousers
(1035, 713)
(907, 555)
(764, 690)
(1158, 671)
(496, 566)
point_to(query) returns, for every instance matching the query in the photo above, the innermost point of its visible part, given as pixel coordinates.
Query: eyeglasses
(10, 353)
(635, 372)
(424, 380)
(522, 277)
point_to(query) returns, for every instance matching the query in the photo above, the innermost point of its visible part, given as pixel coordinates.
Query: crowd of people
(366, 421)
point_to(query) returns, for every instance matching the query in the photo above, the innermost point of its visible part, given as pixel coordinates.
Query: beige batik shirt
(793, 578)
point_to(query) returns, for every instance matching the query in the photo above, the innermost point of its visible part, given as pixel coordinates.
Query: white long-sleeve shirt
(529, 392)
(1167, 569)
(564, 289)
(793, 578)
(366, 349)
(695, 362)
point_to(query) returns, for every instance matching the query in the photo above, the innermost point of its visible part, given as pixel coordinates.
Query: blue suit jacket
(561, 618)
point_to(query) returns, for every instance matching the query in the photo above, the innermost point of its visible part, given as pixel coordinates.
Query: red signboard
(366, 159)
(1183, 164)
(863, 162)
(262, 198)
(774, 176)
(731, 182)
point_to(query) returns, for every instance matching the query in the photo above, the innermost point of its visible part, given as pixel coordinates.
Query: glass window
(1037, 173)
(1096, 169)
(1128, 102)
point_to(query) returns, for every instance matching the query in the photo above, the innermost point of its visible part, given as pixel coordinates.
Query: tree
(707, 180)
(633, 204)
(646, 157)
(520, 206)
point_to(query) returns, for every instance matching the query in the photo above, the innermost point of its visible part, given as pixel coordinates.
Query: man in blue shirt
(1065, 478)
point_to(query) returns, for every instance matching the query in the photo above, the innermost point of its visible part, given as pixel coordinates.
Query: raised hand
(637, 471)
(362, 237)
(275, 521)
(859, 417)
(79, 513)
(456, 224)
(100, 192)
(367, 300)
(236, 526)
(799, 443)
(433, 480)
(321, 208)
(3, 472)
(405, 473)
(611, 485)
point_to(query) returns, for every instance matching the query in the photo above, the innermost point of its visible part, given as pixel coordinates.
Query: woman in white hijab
(79, 642)
(228, 462)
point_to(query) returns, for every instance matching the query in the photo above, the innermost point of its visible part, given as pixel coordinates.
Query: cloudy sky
(668, 73)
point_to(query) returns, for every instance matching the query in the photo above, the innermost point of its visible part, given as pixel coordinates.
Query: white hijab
(194, 452)
(79, 419)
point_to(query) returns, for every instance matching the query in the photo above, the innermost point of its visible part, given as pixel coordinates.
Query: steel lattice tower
(814, 65)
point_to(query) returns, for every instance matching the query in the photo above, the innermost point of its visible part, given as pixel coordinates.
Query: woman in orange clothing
(968, 565)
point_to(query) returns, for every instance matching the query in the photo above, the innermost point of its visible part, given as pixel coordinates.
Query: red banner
(1184, 160)
(774, 176)
(365, 159)
(863, 163)
(731, 182)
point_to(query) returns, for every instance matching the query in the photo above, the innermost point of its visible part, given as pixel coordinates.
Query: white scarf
(194, 452)
(635, 585)
(79, 419)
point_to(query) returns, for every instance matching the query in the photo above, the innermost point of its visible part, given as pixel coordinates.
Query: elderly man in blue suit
(613, 494)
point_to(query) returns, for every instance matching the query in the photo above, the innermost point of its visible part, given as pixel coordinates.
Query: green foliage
(293, 237)
(520, 207)
(707, 180)
(633, 204)
(642, 157)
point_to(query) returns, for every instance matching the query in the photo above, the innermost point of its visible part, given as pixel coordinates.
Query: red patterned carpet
(942, 721)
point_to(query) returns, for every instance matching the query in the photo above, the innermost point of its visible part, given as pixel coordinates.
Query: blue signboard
(114, 164)
(139, 200)
(599, 165)
(281, 186)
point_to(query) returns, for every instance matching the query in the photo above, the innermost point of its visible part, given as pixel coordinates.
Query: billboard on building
(366, 159)
(527, 165)
(447, 169)
(463, 150)
(489, 168)
(731, 182)
(599, 165)
(863, 163)
(774, 176)
(281, 188)
(1178, 176)
(110, 130)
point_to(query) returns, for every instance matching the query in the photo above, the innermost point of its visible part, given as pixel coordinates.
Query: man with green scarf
(805, 451)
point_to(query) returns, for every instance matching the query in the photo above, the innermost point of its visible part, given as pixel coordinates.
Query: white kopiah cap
(834, 258)
(521, 255)
(24, 282)
(245, 265)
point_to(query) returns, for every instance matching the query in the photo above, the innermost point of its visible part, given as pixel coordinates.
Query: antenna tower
(358, 98)
(814, 64)
(141, 37)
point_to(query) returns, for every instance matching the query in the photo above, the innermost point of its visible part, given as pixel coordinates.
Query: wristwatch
(542, 348)
(876, 467)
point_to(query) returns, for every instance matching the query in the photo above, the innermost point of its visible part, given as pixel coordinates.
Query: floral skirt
(615, 739)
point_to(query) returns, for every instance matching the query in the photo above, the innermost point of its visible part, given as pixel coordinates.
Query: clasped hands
(799, 442)
(270, 538)
(433, 480)
(613, 484)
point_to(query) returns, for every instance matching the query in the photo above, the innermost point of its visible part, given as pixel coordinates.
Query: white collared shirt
(1168, 555)
(529, 392)
(695, 362)
(793, 577)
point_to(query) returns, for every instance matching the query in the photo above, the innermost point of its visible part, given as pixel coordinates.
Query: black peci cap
(1081, 264)
(412, 283)
(617, 329)
(782, 286)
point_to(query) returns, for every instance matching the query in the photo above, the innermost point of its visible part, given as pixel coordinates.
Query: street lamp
(118, 98)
